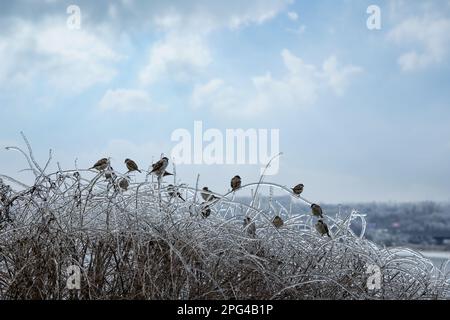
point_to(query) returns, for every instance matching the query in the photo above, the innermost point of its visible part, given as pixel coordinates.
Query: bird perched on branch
(159, 168)
(132, 166)
(207, 196)
(236, 183)
(298, 189)
(172, 192)
(124, 184)
(206, 211)
(251, 227)
(278, 222)
(101, 164)
(317, 210)
(322, 228)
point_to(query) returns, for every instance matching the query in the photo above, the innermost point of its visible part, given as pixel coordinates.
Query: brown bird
(206, 211)
(278, 222)
(101, 164)
(236, 183)
(131, 165)
(251, 227)
(298, 189)
(124, 184)
(207, 196)
(159, 168)
(322, 228)
(317, 210)
(172, 192)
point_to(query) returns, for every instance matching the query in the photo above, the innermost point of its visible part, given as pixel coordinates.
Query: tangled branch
(147, 243)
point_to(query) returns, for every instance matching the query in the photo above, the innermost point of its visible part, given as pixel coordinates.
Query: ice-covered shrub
(145, 243)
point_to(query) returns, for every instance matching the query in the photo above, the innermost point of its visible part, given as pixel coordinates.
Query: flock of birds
(159, 170)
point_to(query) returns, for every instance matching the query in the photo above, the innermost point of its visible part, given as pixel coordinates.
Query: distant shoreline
(430, 249)
(436, 254)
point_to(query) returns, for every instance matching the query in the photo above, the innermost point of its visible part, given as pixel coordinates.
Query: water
(439, 258)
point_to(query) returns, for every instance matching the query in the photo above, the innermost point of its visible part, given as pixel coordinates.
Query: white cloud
(184, 52)
(203, 16)
(176, 58)
(194, 15)
(299, 30)
(71, 60)
(168, 21)
(126, 100)
(218, 96)
(298, 88)
(339, 77)
(203, 92)
(41, 47)
(430, 38)
(292, 15)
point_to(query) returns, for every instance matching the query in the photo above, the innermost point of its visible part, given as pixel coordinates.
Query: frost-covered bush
(146, 243)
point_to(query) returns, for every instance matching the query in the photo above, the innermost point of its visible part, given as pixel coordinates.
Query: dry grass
(143, 244)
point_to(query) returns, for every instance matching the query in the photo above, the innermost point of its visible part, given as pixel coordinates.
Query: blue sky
(363, 115)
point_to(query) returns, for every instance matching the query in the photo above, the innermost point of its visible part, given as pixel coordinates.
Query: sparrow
(206, 211)
(124, 184)
(316, 210)
(251, 227)
(159, 168)
(322, 228)
(131, 165)
(298, 189)
(278, 222)
(206, 195)
(173, 193)
(236, 183)
(101, 164)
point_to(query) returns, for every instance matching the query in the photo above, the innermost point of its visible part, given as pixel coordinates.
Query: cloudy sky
(363, 114)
